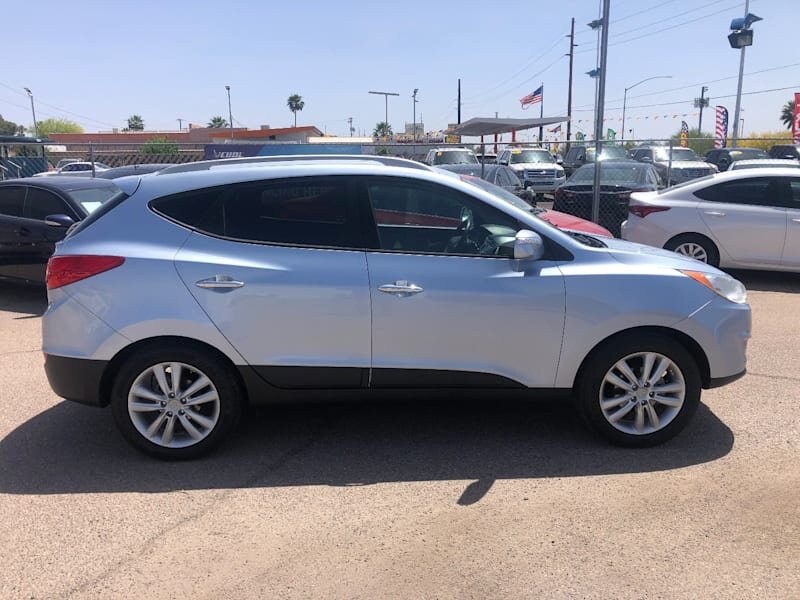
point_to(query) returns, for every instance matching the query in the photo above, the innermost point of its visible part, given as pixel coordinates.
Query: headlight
(724, 285)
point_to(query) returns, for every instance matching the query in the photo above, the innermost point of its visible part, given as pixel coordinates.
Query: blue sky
(99, 62)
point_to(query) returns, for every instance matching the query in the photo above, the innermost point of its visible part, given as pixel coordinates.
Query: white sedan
(745, 218)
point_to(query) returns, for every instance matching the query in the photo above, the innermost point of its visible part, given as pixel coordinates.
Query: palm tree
(218, 122)
(382, 129)
(135, 123)
(295, 103)
(787, 114)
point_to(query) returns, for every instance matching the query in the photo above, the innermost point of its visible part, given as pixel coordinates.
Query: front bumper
(76, 379)
(543, 187)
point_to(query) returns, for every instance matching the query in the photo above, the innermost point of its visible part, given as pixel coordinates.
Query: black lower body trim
(76, 379)
(433, 378)
(716, 382)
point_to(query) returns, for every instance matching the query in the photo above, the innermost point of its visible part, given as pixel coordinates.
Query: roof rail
(205, 165)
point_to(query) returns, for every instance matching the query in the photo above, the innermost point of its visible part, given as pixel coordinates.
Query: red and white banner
(796, 122)
(721, 127)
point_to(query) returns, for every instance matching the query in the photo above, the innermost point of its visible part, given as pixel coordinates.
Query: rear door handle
(401, 288)
(219, 282)
(715, 213)
(796, 220)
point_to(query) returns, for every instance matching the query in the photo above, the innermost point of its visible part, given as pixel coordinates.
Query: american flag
(532, 98)
(721, 130)
(556, 129)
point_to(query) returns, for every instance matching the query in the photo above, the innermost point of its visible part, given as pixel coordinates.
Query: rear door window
(307, 211)
(12, 199)
(757, 191)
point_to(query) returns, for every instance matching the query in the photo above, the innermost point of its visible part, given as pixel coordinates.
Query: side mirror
(59, 220)
(647, 159)
(559, 160)
(528, 245)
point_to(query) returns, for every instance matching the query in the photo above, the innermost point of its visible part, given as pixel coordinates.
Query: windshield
(677, 154)
(611, 174)
(609, 152)
(531, 156)
(499, 192)
(92, 198)
(748, 153)
(454, 157)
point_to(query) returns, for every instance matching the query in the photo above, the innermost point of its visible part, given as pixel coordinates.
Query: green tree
(699, 142)
(9, 127)
(135, 123)
(295, 103)
(382, 129)
(48, 126)
(159, 145)
(787, 114)
(218, 122)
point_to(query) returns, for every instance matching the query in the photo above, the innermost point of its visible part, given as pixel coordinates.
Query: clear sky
(99, 62)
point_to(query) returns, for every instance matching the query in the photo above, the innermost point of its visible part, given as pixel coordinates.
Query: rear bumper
(76, 379)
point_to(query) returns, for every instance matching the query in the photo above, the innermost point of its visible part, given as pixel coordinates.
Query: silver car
(200, 289)
(748, 218)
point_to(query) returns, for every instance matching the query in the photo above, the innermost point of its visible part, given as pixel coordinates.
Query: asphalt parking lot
(420, 500)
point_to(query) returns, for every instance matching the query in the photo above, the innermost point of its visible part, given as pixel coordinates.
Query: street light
(625, 97)
(386, 98)
(33, 111)
(741, 37)
(230, 114)
(414, 96)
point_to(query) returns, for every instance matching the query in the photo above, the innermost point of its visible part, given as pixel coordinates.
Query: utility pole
(600, 108)
(701, 103)
(414, 125)
(541, 116)
(459, 101)
(571, 55)
(739, 87)
(350, 124)
(386, 100)
(180, 123)
(33, 111)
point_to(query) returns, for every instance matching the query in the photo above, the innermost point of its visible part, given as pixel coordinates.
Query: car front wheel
(175, 403)
(639, 390)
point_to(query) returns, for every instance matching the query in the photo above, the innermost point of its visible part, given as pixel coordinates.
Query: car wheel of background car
(695, 246)
(175, 402)
(639, 390)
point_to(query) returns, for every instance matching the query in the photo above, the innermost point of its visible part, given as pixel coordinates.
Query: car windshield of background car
(748, 153)
(92, 198)
(662, 154)
(455, 158)
(627, 175)
(531, 156)
(606, 153)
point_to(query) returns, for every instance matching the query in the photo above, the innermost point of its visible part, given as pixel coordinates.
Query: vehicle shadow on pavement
(768, 281)
(75, 449)
(28, 300)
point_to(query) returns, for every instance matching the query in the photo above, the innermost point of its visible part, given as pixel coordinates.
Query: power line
(63, 110)
(617, 43)
(692, 85)
(517, 86)
(637, 13)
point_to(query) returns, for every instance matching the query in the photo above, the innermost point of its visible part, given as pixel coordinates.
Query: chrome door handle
(400, 287)
(795, 220)
(219, 282)
(715, 213)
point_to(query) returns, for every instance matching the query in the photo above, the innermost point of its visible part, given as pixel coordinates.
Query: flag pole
(541, 116)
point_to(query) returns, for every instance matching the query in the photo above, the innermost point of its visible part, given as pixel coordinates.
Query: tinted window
(794, 199)
(306, 211)
(11, 200)
(41, 203)
(760, 191)
(427, 218)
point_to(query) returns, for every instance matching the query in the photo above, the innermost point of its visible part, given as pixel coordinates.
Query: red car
(554, 217)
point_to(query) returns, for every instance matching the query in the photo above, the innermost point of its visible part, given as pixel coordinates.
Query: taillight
(642, 210)
(63, 270)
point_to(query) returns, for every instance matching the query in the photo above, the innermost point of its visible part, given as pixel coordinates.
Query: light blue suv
(205, 287)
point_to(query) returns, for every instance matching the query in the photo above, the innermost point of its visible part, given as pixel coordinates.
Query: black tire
(692, 238)
(592, 373)
(222, 377)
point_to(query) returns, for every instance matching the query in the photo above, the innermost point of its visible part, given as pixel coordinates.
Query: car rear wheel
(176, 402)
(695, 246)
(639, 390)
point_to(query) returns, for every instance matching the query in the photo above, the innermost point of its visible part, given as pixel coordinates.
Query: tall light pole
(230, 113)
(386, 99)
(180, 121)
(600, 73)
(33, 111)
(414, 96)
(741, 37)
(625, 97)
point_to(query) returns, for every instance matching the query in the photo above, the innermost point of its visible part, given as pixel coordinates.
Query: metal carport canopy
(488, 126)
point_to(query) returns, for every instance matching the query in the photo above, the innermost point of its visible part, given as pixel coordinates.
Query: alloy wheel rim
(693, 250)
(173, 405)
(642, 393)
